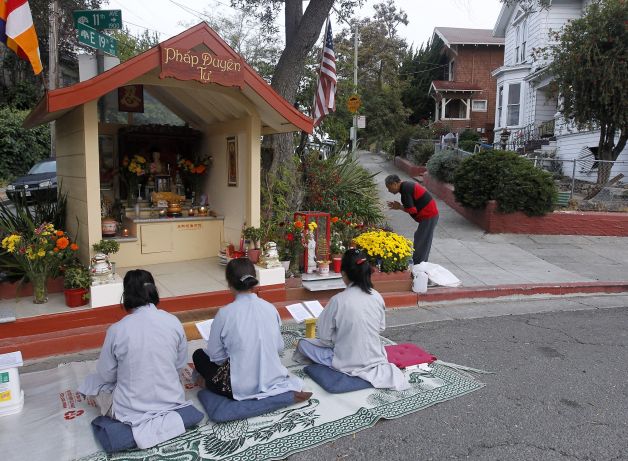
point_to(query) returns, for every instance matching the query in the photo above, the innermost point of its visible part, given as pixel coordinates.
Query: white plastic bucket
(11, 395)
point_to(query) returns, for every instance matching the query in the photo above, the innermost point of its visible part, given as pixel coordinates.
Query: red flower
(335, 219)
(290, 237)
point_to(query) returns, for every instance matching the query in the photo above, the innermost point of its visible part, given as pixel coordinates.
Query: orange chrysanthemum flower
(59, 233)
(74, 247)
(298, 224)
(335, 219)
(63, 243)
(55, 249)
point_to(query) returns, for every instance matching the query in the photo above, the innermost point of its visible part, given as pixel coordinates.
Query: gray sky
(165, 16)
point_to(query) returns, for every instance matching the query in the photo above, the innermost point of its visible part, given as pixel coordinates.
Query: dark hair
(392, 179)
(356, 266)
(139, 289)
(240, 274)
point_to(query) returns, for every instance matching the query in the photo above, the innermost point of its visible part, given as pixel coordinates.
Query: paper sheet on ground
(55, 422)
(204, 328)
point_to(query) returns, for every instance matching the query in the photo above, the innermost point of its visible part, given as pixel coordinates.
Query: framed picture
(232, 162)
(131, 98)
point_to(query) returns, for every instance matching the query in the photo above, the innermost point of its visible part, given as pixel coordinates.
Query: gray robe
(247, 333)
(140, 362)
(351, 324)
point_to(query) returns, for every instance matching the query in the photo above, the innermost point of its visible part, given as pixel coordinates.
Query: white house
(524, 106)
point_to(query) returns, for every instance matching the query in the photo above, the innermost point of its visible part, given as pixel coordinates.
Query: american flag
(325, 98)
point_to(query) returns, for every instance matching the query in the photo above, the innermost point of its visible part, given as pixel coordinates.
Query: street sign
(361, 121)
(354, 103)
(94, 39)
(98, 19)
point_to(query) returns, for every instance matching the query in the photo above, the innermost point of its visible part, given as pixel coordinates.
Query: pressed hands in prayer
(395, 205)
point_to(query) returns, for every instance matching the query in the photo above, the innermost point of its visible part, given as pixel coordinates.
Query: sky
(166, 16)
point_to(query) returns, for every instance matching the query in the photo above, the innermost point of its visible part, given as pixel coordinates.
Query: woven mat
(55, 422)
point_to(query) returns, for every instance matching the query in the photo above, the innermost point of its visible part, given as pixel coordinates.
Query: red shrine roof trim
(57, 102)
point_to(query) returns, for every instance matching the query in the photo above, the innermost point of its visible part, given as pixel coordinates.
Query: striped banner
(17, 31)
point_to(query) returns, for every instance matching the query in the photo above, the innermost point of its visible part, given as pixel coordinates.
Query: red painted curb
(556, 223)
(71, 332)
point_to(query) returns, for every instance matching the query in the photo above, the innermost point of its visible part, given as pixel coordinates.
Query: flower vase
(40, 288)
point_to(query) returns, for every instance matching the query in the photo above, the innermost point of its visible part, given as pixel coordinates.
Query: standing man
(419, 204)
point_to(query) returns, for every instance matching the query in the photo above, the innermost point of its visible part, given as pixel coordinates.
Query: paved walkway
(478, 258)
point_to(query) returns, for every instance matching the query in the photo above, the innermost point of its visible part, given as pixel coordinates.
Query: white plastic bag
(438, 274)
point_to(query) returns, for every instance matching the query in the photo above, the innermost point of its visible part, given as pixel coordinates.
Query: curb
(36, 339)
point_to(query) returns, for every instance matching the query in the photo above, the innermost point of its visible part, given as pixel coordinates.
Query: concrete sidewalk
(480, 259)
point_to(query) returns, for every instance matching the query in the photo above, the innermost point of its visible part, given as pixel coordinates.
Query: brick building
(465, 96)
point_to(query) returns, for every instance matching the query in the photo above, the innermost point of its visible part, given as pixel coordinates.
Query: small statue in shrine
(311, 253)
(156, 167)
(270, 257)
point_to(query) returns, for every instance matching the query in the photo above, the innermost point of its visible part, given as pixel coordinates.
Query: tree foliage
(419, 69)
(20, 148)
(590, 64)
(130, 45)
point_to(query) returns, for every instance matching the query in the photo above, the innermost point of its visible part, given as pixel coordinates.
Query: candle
(191, 212)
(162, 213)
(202, 209)
(125, 232)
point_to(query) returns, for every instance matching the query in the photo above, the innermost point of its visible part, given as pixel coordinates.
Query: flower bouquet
(41, 255)
(194, 173)
(133, 171)
(389, 251)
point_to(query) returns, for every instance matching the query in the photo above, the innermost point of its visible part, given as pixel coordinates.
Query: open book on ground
(204, 328)
(305, 310)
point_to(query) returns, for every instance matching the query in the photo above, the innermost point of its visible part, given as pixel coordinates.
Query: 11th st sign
(94, 39)
(98, 19)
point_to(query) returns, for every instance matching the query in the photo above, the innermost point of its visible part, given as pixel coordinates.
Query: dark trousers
(423, 239)
(217, 377)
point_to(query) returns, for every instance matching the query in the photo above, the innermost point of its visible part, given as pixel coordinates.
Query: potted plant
(253, 235)
(107, 247)
(76, 282)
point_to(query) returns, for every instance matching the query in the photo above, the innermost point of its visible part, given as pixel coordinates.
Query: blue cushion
(114, 435)
(334, 381)
(220, 409)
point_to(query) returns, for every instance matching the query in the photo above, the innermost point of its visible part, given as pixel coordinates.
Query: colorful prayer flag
(17, 31)
(325, 98)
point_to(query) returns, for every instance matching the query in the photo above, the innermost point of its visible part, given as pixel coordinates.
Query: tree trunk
(302, 31)
(607, 151)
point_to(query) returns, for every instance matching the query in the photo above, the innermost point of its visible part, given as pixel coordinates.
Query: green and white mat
(55, 422)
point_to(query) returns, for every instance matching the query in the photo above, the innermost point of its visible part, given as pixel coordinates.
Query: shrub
(506, 177)
(420, 152)
(20, 148)
(340, 186)
(468, 139)
(406, 134)
(443, 164)
(106, 246)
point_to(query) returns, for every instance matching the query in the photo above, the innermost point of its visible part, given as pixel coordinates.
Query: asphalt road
(560, 390)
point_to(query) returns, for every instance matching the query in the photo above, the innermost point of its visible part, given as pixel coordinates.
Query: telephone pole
(354, 132)
(53, 63)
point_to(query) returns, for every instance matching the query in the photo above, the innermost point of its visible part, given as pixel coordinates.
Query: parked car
(39, 184)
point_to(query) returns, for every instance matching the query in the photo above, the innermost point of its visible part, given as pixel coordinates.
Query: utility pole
(354, 132)
(53, 63)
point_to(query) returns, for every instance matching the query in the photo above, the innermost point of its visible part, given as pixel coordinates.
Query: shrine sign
(353, 103)
(204, 67)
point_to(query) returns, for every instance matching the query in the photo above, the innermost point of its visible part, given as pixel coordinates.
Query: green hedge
(20, 148)
(443, 164)
(420, 153)
(506, 177)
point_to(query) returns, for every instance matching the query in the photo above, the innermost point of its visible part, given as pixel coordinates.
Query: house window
(479, 105)
(514, 95)
(500, 98)
(450, 74)
(524, 38)
(517, 42)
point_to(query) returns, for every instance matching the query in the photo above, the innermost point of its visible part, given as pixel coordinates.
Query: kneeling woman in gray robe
(349, 327)
(241, 360)
(137, 375)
